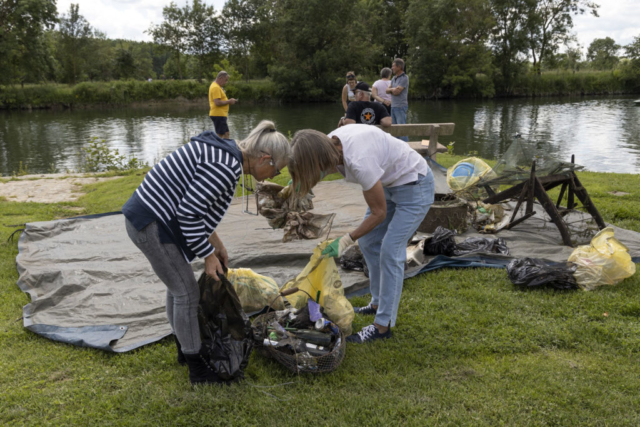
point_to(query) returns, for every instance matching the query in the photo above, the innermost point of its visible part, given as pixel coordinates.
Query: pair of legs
(399, 117)
(385, 247)
(183, 293)
(221, 126)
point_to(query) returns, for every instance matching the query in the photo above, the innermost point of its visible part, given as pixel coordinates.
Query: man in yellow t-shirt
(219, 104)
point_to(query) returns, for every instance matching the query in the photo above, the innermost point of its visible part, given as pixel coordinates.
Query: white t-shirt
(381, 86)
(372, 155)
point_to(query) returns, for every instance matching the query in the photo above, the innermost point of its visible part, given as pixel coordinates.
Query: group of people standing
(390, 92)
(173, 215)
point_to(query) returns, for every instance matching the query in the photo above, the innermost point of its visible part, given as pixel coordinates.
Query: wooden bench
(428, 147)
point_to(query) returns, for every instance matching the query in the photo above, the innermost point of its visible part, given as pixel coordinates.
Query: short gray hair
(264, 139)
(222, 74)
(385, 73)
(399, 63)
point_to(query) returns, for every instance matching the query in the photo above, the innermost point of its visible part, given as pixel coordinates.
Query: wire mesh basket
(298, 361)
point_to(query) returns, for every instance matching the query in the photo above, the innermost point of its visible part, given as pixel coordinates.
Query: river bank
(134, 93)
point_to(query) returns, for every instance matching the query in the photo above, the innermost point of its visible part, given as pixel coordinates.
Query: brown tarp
(90, 286)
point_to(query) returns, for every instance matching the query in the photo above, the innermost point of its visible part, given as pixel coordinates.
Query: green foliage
(75, 34)
(99, 157)
(463, 67)
(224, 65)
(24, 51)
(603, 53)
(22, 170)
(316, 42)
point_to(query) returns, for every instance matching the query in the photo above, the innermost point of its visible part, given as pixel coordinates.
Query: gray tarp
(90, 286)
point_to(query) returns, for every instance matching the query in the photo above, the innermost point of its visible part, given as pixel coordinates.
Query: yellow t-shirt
(216, 92)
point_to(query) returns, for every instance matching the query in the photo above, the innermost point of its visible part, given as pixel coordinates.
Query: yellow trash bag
(321, 274)
(467, 172)
(254, 290)
(605, 261)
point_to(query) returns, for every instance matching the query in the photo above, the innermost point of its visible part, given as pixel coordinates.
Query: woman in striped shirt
(172, 217)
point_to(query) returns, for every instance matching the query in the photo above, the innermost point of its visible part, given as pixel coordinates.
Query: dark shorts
(220, 124)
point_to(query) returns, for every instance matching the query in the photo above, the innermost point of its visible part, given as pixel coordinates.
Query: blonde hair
(312, 153)
(264, 139)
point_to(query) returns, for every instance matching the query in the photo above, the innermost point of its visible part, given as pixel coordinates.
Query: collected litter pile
(283, 210)
(302, 340)
(605, 261)
(304, 332)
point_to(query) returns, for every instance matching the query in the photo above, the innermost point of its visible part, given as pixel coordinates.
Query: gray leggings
(183, 293)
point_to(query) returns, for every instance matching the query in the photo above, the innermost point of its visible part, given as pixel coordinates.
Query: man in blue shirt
(399, 88)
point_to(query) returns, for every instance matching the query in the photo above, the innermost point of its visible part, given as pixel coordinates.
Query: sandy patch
(619, 193)
(51, 188)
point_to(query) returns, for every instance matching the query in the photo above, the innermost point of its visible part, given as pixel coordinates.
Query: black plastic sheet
(481, 244)
(443, 242)
(225, 330)
(534, 272)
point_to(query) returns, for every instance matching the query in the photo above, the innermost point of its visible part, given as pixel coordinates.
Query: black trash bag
(534, 272)
(225, 330)
(442, 242)
(352, 259)
(481, 244)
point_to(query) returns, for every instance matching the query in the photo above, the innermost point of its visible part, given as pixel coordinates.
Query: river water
(603, 132)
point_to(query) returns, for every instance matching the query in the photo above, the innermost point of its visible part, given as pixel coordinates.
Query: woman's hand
(212, 266)
(221, 251)
(223, 256)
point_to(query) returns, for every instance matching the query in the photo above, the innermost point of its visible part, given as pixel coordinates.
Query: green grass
(469, 349)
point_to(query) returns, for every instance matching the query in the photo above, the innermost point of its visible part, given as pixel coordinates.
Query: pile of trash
(605, 261)
(303, 340)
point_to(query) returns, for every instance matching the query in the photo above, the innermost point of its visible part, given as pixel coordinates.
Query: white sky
(128, 19)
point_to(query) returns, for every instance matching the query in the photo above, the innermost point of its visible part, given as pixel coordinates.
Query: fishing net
(284, 210)
(515, 164)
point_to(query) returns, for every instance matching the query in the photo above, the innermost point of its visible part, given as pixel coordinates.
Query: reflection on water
(603, 133)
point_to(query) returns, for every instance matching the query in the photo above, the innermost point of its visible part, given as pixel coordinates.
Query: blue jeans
(183, 292)
(385, 247)
(399, 117)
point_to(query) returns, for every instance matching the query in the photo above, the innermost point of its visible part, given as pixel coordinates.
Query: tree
(193, 29)
(385, 21)
(450, 52)
(548, 24)
(172, 33)
(204, 34)
(632, 50)
(23, 46)
(603, 53)
(75, 35)
(509, 40)
(98, 57)
(241, 29)
(315, 43)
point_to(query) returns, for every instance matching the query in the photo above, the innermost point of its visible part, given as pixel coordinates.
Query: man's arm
(385, 121)
(219, 102)
(395, 90)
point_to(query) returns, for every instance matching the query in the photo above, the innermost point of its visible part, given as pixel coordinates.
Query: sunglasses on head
(351, 77)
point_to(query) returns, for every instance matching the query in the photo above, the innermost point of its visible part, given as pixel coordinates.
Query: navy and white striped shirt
(193, 185)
